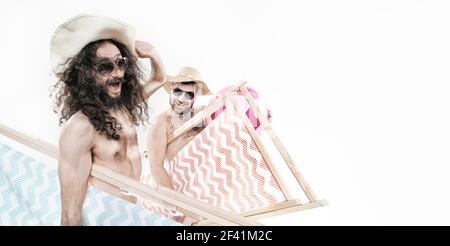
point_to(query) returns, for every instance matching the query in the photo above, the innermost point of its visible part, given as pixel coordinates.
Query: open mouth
(115, 86)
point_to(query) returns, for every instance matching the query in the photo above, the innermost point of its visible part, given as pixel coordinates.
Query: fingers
(143, 46)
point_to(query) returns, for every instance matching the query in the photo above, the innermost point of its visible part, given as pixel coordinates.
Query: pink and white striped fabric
(223, 167)
(245, 106)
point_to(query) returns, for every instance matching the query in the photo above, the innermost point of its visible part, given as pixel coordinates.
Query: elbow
(157, 167)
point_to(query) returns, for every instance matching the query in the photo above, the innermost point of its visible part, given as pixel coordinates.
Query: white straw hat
(72, 36)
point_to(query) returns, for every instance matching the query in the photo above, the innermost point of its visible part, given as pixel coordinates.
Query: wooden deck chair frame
(291, 204)
(196, 210)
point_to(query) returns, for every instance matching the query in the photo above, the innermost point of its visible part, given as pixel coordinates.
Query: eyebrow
(119, 55)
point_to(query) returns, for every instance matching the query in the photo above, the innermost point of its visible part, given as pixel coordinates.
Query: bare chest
(117, 151)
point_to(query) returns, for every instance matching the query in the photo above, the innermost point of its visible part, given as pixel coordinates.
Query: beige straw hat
(71, 37)
(187, 74)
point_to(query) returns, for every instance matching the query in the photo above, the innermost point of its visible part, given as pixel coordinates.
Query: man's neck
(180, 119)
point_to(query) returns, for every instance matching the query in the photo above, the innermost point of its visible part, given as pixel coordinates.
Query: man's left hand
(146, 50)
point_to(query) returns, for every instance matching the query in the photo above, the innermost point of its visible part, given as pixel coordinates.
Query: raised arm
(74, 167)
(157, 147)
(158, 76)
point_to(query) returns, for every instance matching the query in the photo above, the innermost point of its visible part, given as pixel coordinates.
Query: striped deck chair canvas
(223, 167)
(29, 195)
(227, 166)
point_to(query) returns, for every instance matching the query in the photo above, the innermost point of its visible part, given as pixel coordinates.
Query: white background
(359, 89)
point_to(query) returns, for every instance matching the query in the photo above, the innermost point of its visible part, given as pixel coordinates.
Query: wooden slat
(170, 196)
(206, 223)
(284, 153)
(34, 143)
(280, 205)
(293, 209)
(262, 149)
(267, 209)
(280, 211)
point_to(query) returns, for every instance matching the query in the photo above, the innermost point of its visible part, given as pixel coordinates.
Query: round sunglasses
(106, 66)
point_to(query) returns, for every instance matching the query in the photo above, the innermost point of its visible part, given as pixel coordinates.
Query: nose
(182, 98)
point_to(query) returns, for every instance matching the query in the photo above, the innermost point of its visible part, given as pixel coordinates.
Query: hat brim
(175, 79)
(72, 36)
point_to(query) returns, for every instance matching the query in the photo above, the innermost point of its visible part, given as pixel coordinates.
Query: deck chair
(227, 164)
(29, 193)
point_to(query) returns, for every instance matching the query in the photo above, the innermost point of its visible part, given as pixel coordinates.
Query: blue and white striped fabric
(30, 195)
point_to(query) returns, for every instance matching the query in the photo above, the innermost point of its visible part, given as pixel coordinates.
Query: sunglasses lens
(188, 94)
(177, 92)
(105, 68)
(122, 63)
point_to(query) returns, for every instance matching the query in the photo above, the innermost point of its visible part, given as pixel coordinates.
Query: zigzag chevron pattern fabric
(30, 195)
(223, 167)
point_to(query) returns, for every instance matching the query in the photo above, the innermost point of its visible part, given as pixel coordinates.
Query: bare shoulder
(78, 126)
(162, 119)
(159, 126)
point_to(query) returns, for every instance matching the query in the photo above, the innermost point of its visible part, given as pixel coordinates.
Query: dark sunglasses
(105, 66)
(188, 94)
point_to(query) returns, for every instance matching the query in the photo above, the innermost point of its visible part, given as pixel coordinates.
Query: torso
(177, 144)
(120, 155)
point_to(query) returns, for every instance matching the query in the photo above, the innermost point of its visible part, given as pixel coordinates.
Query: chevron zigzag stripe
(222, 166)
(30, 195)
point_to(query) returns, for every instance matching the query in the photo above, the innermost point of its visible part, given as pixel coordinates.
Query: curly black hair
(77, 90)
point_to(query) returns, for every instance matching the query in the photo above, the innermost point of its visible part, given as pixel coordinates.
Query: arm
(157, 147)
(74, 168)
(158, 77)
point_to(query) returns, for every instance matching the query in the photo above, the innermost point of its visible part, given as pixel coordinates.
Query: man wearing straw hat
(100, 100)
(183, 89)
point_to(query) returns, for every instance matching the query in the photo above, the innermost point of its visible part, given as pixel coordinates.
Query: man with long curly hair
(100, 99)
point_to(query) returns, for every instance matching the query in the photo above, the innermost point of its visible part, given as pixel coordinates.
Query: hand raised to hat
(146, 50)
